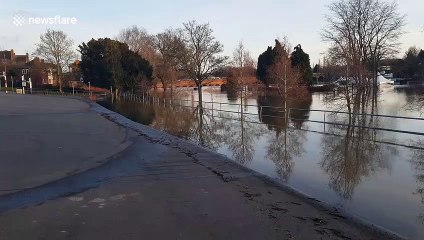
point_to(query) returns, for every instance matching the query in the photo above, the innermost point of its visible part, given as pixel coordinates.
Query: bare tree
(57, 48)
(242, 59)
(139, 41)
(351, 95)
(362, 32)
(288, 80)
(201, 54)
(168, 45)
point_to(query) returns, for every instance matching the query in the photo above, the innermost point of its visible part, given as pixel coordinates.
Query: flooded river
(371, 167)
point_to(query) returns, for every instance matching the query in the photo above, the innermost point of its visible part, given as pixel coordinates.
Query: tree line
(411, 66)
(134, 59)
(361, 33)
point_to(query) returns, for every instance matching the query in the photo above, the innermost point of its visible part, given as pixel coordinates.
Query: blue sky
(255, 22)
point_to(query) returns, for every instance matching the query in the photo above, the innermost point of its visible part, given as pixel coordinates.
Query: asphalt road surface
(70, 169)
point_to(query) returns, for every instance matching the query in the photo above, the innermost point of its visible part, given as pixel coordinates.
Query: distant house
(18, 66)
(41, 73)
(9, 57)
(15, 66)
(73, 76)
(386, 72)
(75, 67)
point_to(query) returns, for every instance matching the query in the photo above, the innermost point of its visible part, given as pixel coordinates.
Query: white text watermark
(21, 20)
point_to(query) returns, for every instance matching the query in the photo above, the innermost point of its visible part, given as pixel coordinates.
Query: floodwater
(374, 174)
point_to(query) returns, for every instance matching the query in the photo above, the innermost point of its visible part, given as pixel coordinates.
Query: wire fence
(249, 112)
(245, 110)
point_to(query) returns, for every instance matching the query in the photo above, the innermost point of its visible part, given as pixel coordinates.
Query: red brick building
(16, 66)
(9, 57)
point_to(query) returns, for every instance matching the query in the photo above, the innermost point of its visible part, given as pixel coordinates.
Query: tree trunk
(199, 91)
(200, 130)
(172, 91)
(60, 84)
(200, 108)
(165, 87)
(59, 78)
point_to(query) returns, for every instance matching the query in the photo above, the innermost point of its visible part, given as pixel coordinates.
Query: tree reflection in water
(189, 123)
(350, 151)
(131, 109)
(177, 121)
(414, 99)
(417, 161)
(288, 141)
(209, 129)
(240, 135)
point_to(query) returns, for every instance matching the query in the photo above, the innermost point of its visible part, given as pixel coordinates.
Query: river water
(360, 168)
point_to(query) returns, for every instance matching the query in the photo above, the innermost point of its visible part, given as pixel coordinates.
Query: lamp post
(2, 75)
(5, 77)
(5, 71)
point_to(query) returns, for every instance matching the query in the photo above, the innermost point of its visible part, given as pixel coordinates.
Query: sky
(256, 23)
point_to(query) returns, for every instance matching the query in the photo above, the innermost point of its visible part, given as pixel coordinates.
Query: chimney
(12, 56)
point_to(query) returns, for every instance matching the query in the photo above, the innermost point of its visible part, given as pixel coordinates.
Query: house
(14, 66)
(9, 57)
(41, 73)
(386, 72)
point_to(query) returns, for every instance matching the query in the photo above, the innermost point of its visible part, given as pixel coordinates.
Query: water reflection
(177, 121)
(346, 157)
(353, 101)
(417, 162)
(132, 110)
(286, 143)
(232, 95)
(208, 130)
(414, 99)
(283, 147)
(272, 112)
(350, 148)
(189, 123)
(240, 137)
(235, 130)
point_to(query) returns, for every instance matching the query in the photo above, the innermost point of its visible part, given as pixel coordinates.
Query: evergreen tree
(316, 69)
(265, 60)
(301, 60)
(106, 62)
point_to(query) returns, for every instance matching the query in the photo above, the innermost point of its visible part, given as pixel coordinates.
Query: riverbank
(162, 187)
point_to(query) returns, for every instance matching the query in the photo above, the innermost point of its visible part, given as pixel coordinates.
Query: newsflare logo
(20, 20)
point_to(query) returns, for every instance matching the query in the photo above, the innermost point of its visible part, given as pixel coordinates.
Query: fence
(259, 112)
(233, 108)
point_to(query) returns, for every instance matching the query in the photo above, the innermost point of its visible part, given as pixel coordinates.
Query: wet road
(43, 139)
(162, 187)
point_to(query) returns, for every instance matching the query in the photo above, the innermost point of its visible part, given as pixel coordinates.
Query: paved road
(47, 138)
(160, 187)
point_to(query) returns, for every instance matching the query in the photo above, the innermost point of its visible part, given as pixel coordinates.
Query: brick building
(16, 66)
(9, 57)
